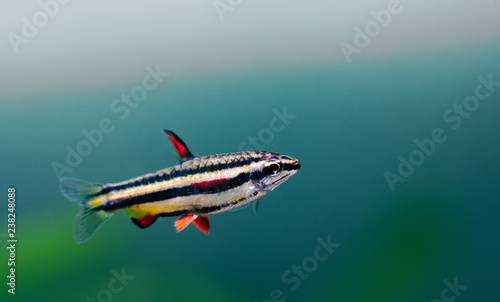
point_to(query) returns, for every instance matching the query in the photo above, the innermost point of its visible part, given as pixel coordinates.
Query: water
(350, 124)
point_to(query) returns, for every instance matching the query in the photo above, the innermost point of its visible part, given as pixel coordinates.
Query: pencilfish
(194, 189)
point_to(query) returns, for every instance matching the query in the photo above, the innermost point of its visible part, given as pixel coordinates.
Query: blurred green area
(51, 264)
(404, 251)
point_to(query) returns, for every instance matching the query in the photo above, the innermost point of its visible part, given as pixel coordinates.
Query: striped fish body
(198, 187)
(202, 185)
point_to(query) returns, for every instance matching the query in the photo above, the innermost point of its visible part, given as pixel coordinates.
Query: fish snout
(295, 163)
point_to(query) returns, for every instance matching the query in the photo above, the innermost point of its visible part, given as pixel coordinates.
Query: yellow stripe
(171, 183)
(98, 201)
(153, 209)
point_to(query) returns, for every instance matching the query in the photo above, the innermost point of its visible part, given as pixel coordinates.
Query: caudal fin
(89, 219)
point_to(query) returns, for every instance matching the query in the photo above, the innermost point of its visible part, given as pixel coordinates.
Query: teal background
(352, 122)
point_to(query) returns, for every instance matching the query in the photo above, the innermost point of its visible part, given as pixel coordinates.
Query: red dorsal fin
(145, 221)
(184, 221)
(183, 152)
(203, 223)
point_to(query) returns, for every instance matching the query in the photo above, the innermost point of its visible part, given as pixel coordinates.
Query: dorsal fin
(183, 152)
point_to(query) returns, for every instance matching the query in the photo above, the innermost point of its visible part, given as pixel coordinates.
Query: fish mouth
(297, 164)
(294, 165)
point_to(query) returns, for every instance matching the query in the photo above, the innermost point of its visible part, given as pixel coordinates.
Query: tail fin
(88, 220)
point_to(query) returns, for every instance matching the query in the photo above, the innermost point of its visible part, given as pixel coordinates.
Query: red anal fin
(201, 222)
(183, 152)
(145, 221)
(209, 182)
(184, 221)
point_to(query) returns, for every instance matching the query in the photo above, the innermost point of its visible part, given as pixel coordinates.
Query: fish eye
(274, 167)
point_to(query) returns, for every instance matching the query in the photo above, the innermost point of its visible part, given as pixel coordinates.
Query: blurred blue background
(232, 65)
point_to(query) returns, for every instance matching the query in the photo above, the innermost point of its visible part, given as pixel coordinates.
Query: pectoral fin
(256, 206)
(202, 222)
(182, 150)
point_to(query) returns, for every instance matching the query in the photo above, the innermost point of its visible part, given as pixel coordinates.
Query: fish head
(273, 170)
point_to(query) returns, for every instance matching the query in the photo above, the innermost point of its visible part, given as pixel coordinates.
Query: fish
(193, 190)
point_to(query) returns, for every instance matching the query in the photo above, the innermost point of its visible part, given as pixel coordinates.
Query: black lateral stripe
(207, 210)
(257, 175)
(189, 190)
(194, 166)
